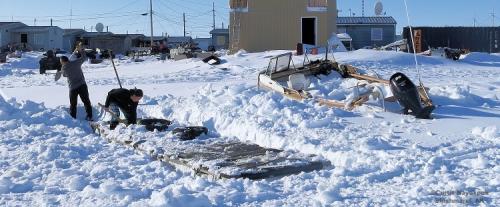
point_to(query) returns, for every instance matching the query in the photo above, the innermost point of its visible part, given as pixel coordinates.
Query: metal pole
(151, 21)
(70, 13)
(184, 20)
(363, 8)
(213, 14)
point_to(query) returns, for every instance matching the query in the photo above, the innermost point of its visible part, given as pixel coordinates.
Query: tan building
(260, 25)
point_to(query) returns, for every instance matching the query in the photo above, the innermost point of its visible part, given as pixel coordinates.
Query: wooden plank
(369, 78)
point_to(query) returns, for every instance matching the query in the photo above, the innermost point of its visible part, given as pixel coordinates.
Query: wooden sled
(217, 158)
(281, 70)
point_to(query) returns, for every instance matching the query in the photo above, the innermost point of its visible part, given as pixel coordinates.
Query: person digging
(76, 81)
(124, 100)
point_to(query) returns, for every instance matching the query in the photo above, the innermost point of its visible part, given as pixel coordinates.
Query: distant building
(176, 41)
(119, 44)
(475, 39)
(6, 28)
(259, 25)
(368, 31)
(220, 38)
(30, 37)
(135, 39)
(145, 41)
(70, 36)
(203, 43)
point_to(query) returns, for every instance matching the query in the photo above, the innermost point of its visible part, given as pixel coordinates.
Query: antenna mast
(493, 16)
(151, 21)
(213, 14)
(362, 8)
(413, 42)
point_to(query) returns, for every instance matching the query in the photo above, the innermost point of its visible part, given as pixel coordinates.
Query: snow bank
(491, 133)
(483, 59)
(458, 95)
(378, 157)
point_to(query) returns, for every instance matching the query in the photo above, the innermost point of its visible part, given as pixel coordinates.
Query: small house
(368, 32)
(37, 37)
(220, 38)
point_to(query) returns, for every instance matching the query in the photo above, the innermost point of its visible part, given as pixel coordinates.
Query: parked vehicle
(50, 62)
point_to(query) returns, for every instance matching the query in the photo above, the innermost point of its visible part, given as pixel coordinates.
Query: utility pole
(213, 14)
(70, 13)
(34, 22)
(363, 8)
(51, 22)
(493, 16)
(184, 20)
(151, 21)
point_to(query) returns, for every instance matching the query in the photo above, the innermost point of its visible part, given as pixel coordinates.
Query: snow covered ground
(379, 158)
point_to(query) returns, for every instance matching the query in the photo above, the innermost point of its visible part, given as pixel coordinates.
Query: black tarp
(476, 39)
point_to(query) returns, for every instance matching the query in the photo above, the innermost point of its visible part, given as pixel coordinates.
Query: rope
(413, 42)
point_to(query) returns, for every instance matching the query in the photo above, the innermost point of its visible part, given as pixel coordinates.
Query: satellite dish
(99, 27)
(379, 8)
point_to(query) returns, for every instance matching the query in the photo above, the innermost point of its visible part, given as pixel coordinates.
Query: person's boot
(89, 118)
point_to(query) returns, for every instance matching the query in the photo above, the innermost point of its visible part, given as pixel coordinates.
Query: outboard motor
(408, 97)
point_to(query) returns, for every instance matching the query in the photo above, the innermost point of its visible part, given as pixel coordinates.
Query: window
(318, 3)
(238, 4)
(317, 6)
(377, 34)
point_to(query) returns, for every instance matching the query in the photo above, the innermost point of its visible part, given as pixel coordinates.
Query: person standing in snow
(124, 100)
(76, 81)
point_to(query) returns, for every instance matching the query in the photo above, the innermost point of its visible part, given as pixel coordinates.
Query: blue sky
(125, 15)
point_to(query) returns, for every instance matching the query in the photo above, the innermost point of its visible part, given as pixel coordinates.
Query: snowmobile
(283, 77)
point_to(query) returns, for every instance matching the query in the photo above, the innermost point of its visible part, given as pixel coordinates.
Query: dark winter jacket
(73, 71)
(121, 98)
